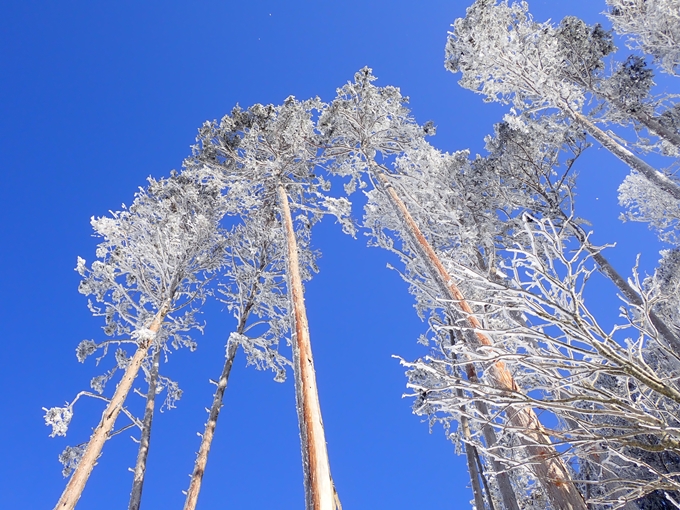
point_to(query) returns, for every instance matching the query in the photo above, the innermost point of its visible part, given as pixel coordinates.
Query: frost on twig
(651, 25)
(260, 354)
(70, 458)
(646, 203)
(97, 383)
(143, 334)
(85, 349)
(59, 419)
(173, 392)
(121, 359)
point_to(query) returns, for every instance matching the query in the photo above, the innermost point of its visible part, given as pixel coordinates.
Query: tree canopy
(554, 405)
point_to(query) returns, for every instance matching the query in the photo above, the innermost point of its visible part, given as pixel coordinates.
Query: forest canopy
(552, 404)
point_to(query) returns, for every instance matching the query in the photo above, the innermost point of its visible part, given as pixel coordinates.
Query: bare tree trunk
(485, 482)
(209, 433)
(547, 466)
(318, 484)
(218, 398)
(505, 488)
(502, 477)
(473, 467)
(629, 292)
(145, 439)
(336, 498)
(652, 174)
(76, 484)
(652, 124)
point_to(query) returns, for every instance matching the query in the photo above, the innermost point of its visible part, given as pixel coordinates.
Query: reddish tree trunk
(319, 492)
(76, 484)
(547, 466)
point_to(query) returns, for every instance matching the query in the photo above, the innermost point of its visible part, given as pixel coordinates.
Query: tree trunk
(145, 439)
(473, 467)
(653, 125)
(485, 482)
(505, 488)
(502, 477)
(652, 175)
(651, 122)
(318, 484)
(209, 433)
(629, 292)
(218, 398)
(546, 464)
(76, 484)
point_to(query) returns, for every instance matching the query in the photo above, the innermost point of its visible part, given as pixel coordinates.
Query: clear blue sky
(96, 96)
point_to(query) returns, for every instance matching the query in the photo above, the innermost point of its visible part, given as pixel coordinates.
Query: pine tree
(253, 286)
(365, 121)
(506, 56)
(653, 26)
(154, 260)
(268, 155)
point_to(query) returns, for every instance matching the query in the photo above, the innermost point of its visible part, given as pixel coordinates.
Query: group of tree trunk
(491, 247)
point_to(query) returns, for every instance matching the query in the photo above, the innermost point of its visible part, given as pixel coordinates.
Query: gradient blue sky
(96, 96)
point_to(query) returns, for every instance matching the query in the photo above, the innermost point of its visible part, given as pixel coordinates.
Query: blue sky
(95, 97)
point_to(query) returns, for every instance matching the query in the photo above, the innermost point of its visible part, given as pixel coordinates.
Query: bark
(209, 432)
(485, 482)
(318, 483)
(502, 477)
(76, 484)
(652, 175)
(651, 122)
(653, 125)
(218, 398)
(546, 464)
(143, 451)
(473, 467)
(336, 499)
(505, 488)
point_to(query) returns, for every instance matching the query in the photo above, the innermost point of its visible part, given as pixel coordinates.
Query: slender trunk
(336, 499)
(635, 299)
(505, 488)
(629, 292)
(473, 467)
(485, 482)
(502, 477)
(209, 432)
(76, 484)
(655, 177)
(143, 451)
(218, 398)
(652, 174)
(546, 464)
(318, 484)
(652, 124)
